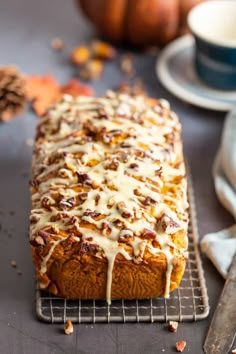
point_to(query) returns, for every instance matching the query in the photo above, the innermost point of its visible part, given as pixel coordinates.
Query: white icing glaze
(54, 243)
(165, 247)
(137, 182)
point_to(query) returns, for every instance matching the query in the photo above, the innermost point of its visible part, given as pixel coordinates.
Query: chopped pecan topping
(133, 165)
(110, 203)
(91, 213)
(40, 239)
(148, 234)
(125, 145)
(106, 230)
(168, 224)
(73, 220)
(39, 243)
(106, 138)
(68, 203)
(83, 196)
(148, 201)
(86, 247)
(97, 198)
(115, 132)
(102, 114)
(59, 216)
(44, 234)
(137, 192)
(34, 183)
(95, 184)
(69, 240)
(125, 213)
(124, 238)
(125, 235)
(159, 172)
(113, 165)
(137, 213)
(83, 178)
(117, 223)
(34, 218)
(121, 205)
(55, 229)
(89, 238)
(46, 203)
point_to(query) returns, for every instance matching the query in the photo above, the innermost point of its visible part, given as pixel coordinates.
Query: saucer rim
(171, 85)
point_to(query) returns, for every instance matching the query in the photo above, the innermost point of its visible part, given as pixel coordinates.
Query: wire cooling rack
(188, 303)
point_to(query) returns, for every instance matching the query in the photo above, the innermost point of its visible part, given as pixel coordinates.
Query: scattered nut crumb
(180, 346)
(80, 55)
(68, 327)
(13, 263)
(19, 272)
(103, 50)
(29, 142)
(92, 70)
(12, 212)
(173, 326)
(127, 64)
(57, 44)
(136, 89)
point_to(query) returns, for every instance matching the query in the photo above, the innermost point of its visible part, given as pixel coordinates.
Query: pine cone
(12, 92)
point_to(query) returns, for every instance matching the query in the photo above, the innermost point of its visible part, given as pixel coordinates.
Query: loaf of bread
(109, 205)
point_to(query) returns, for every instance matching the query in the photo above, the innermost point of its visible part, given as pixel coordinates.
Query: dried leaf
(45, 90)
(36, 85)
(75, 88)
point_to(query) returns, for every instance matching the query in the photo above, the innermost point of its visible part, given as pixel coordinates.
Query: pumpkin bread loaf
(109, 206)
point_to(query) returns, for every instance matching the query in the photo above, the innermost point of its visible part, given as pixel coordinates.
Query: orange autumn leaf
(37, 84)
(45, 90)
(75, 88)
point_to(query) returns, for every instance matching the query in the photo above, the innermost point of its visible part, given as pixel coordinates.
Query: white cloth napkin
(220, 247)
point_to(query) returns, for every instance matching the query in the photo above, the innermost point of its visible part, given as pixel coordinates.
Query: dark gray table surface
(26, 29)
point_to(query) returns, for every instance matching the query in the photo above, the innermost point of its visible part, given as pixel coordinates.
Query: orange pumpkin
(140, 22)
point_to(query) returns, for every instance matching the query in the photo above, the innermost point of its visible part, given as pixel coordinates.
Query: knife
(222, 330)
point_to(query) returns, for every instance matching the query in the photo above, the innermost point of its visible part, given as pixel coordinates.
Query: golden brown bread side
(109, 206)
